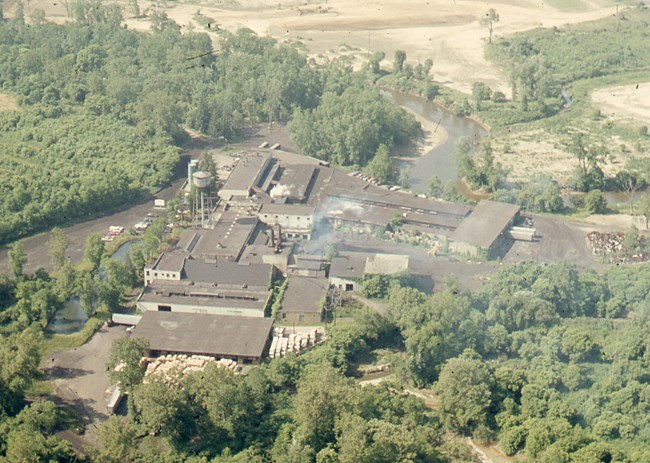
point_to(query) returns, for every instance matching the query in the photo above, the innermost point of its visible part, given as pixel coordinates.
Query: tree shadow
(59, 372)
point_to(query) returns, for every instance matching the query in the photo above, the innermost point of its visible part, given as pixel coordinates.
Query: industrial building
(303, 299)
(242, 339)
(484, 230)
(249, 172)
(296, 220)
(222, 268)
(347, 270)
(178, 283)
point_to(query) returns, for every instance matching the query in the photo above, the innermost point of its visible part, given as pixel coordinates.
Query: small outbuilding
(303, 299)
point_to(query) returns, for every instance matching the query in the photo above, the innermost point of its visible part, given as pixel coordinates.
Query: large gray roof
(486, 222)
(227, 273)
(304, 294)
(247, 171)
(298, 177)
(204, 334)
(227, 240)
(204, 295)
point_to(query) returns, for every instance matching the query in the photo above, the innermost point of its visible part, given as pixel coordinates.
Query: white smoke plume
(280, 191)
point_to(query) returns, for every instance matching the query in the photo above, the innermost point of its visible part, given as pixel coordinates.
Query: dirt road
(80, 378)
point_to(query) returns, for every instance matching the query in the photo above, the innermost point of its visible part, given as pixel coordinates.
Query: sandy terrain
(447, 31)
(8, 103)
(629, 103)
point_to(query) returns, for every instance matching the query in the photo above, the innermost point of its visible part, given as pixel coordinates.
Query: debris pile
(283, 342)
(176, 366)
(605, 242)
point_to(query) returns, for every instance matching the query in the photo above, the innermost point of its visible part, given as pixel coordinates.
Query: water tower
(202, 207)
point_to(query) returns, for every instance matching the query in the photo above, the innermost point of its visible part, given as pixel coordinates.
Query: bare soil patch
(628, 103)
(80, 377)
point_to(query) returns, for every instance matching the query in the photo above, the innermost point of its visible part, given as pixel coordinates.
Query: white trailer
(114, 401)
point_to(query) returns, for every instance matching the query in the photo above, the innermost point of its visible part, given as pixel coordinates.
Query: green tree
(58, 247)
(629, 182)
(488, 20)
(589, 173)
(159, 408)
(94, 249)
(134, 6)
(38, 17)
(464, 388)
(116, 439)
(380, 166)
(19, 14)
(595, 202)
(398, 60)
(124, 365)
(435, 187)
(17, 259)
(631, 241)
(480, 93)
(375, 61)
(320, 397)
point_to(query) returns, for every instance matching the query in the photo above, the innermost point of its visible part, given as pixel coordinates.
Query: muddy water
(439, 161)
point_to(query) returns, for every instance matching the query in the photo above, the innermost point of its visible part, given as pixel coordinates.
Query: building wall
(211, 310)
(345, 285)
(301, 317)
(290, 221)
(150, 275)
(227, 194)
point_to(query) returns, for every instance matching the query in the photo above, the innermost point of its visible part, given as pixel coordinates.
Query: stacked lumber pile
(606, 243)
(170, 368)
(283, 342)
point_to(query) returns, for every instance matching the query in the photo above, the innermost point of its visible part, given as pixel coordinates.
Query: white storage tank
(202, 179)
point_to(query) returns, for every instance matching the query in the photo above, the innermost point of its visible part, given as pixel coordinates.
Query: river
(440, 161)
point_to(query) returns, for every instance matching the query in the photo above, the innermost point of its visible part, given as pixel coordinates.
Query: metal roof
(247, 172)
(348, 266)
(227, 273)
(298, 177)
(486, 222)
(304, 294)
(170, 262)
(204, 295)
(219, 335)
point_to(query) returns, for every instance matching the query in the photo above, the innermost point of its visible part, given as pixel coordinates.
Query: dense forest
(103, 109)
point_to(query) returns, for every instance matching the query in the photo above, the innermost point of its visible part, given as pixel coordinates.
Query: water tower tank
(202, 179)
